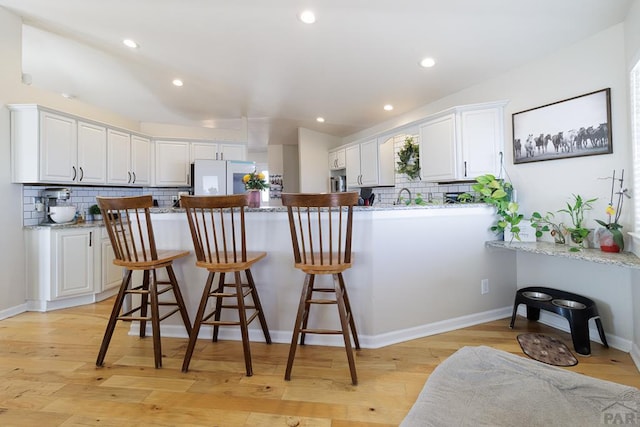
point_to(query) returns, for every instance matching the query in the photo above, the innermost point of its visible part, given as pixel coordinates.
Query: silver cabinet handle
(74, 173)
(129, 180)
(134, 177)
(81, 174)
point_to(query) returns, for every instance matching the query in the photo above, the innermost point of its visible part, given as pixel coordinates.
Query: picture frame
(574, 127)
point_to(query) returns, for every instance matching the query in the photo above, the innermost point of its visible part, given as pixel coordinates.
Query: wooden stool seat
(219, 239)
(128, 223)
(321, 233)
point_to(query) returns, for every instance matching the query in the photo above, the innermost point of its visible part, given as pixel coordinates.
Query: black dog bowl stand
(575, 308)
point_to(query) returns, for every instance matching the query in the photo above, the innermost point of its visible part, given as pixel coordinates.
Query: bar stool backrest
(320, 227)
(217, 227)
(128, 223)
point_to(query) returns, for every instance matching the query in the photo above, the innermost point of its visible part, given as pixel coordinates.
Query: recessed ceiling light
(67, 95)
(388, 107)
(320, 120)
(177, 82)
(308, 17)
(427, 62)
(130, 43)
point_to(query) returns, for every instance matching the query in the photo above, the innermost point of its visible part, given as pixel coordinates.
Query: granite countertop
(270, 209)
(356, 208)
(623, 259)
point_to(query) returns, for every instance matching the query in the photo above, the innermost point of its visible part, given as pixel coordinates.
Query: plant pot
(254, 198)
(605, 237)
(577, 241)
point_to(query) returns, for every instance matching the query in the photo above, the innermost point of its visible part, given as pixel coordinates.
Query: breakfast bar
(417, 271)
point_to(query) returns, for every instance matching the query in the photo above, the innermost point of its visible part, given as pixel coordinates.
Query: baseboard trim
(13, 311)
(366, 341)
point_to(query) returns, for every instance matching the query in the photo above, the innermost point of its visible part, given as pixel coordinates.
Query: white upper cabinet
(337, 159)
(462, 143)
(128, 159)
(49, 147)
(92, 153)
(203, 150)
(217, 151)
(58, 148)
(232, 152)
(370, 164)
(119, 157)
(172, 163)
(141, 160)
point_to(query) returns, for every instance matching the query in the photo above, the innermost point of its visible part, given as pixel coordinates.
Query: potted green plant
(546, 223)
(94, 213)
(578, 233)
(255, 182)
(497, 192)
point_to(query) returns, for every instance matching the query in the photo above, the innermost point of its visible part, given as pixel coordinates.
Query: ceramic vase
(605, 237)
(254, 198)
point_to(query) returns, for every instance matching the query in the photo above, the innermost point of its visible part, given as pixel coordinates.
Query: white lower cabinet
(63, 267)
(111, 276)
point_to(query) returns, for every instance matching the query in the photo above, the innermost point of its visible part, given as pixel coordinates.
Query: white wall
(314, 158)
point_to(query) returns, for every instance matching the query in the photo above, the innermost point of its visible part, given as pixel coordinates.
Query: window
(635, 137)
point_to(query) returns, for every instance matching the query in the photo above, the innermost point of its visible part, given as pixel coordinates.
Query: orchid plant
(613, 213)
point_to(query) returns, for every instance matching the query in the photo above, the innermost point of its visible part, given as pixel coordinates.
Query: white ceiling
(254, 59)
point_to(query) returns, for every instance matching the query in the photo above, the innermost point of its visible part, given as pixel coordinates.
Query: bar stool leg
(244, 330)
(307, 307)
(302, 306)
(258, 305)
(115, 312)
(193, 336)
(218, 311)
(179, 300)
(155, 318)
(352, 322)
(344, 322)
(144, 300)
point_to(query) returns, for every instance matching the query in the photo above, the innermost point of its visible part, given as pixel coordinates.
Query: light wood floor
(48, 376)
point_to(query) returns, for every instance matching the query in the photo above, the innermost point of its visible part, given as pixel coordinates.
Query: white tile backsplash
(83, 197)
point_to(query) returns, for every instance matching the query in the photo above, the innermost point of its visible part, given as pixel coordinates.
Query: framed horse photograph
(574, 127)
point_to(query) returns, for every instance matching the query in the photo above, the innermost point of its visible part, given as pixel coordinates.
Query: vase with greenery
(497, 192)
(95, 213)
(409, 159)
(578, 232)
(611, 239)
(545, 224)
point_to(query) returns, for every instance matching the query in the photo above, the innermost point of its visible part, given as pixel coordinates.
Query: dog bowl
(568, 304)
(538, 296)
(62, 214)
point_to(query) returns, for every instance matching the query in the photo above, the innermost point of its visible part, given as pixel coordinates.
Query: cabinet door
(172, 163)
(204, 150)
(58, 148)
(369, 163)
(352, 158)
(92, 154)
(118, 157)
(111, 274)
(337, 159)
(481, 142)
(438, 149)
(140, 160)
(233, 152)
(74, 263)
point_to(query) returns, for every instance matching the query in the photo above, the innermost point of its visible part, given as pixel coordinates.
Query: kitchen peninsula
(417, 271)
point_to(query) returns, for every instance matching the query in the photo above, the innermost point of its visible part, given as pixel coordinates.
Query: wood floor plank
(48, 376)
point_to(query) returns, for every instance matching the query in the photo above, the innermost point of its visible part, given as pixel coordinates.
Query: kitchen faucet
(400, 193)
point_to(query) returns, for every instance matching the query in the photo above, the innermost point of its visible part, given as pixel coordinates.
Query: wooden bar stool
(321, 236)
(128, 223)
(219, 239)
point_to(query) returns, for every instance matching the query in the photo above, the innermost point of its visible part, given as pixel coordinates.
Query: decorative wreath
(409, 156)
